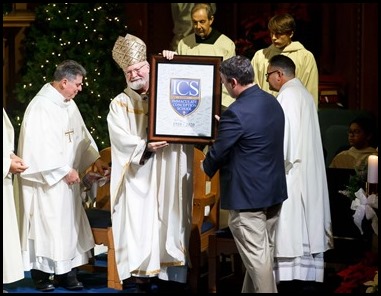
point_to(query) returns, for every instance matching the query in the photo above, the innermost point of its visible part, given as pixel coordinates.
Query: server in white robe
(182, 22)
(151, 182)
(54, 141)
(206, 41)
(282, 29)
(13, 269)
(304, 229)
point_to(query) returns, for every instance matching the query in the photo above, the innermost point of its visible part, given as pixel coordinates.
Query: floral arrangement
(355, 182)
(363, 205)
(372, 285)
(355, 278)
(256, 36)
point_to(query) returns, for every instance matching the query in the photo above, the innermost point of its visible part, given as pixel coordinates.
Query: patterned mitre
(128, 51)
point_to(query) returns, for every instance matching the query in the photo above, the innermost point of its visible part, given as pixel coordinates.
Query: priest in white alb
(57, 146)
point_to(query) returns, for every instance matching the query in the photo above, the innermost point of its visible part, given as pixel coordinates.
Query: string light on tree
(63, 31)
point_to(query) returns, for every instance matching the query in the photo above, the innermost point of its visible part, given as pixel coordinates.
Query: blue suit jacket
(249, 152)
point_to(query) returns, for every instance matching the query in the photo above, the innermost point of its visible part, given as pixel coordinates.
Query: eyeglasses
(137, 70)
(268, 74)
(354, 132)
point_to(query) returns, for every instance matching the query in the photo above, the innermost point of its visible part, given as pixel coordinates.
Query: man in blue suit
(248, 151)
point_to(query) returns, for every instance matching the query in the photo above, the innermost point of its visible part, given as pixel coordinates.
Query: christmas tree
(86, 33)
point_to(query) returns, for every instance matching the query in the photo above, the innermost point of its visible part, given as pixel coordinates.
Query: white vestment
(304, 230)
(151, 202)
(223, 47)
(56, 234)
(13, 269)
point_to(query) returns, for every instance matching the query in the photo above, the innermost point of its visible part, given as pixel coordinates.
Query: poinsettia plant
(363, 276)
(355, 278)
(355, 182)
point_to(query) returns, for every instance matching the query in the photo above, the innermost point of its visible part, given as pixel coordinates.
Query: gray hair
(69, 69)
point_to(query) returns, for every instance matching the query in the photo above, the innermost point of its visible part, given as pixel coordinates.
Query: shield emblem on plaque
(185, 95)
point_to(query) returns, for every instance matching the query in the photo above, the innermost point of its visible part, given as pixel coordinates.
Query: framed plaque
(185, 96)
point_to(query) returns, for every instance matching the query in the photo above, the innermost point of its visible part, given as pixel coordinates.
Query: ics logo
(185, 95)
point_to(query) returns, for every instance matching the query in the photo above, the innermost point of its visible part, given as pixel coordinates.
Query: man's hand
(102, 167)
(155, 146)
(72, 177)
(17, 165)
(169, 54)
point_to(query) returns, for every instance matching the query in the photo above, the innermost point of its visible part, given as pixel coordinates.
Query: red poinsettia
(354, 276)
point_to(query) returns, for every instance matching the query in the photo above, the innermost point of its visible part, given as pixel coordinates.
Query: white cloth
(56, 234)
(151, 202)
(305, 217)
(13, 269)
(306, 67)
(223, 47)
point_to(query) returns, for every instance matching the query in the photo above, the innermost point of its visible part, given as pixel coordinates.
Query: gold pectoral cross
(68, 133)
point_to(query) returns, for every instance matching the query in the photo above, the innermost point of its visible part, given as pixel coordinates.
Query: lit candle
(373, 169)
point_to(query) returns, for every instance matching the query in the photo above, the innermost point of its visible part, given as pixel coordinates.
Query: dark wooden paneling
(343, 38)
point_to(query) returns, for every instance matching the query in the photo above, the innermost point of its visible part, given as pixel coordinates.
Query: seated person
(361, 138)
